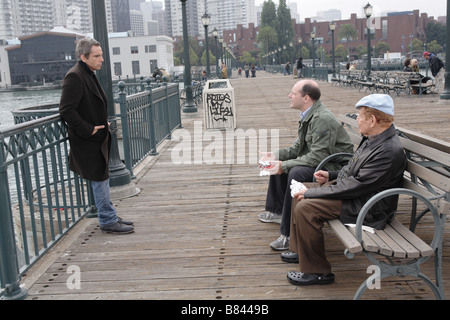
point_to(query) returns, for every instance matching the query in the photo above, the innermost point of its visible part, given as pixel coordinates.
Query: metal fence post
(166, 109)
(151, 118)
(9, 267)
(125, 128)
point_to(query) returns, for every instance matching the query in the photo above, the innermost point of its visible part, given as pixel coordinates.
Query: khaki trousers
(306, 238)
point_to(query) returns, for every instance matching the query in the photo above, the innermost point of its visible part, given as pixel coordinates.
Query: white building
(225, 15)
(5, 76)
(138, 56)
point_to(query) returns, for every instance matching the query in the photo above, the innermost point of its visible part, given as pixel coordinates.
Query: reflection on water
(10, 101)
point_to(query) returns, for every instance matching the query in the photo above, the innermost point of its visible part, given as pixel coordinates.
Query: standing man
(83, 107)
(437, 69)
(319, 135)
(224, 71)
(377, 165)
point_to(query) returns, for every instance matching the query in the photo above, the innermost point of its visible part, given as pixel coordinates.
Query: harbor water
(10, 101)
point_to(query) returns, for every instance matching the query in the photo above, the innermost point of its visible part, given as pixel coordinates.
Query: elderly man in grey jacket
(319, 135)
(378, 164)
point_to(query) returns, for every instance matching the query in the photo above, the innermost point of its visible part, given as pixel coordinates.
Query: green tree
(434, 47)
(340, 53)
(347, 32)
(417, 45)
(267, 38)
(284, 26)
(361, 50)
(435, 31)
(381, 48)
(269, 14)
(247, 58)
(212, 58)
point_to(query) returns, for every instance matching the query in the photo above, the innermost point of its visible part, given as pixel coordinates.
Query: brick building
(396, 29)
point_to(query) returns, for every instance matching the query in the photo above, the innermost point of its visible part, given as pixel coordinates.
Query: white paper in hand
(296, 187)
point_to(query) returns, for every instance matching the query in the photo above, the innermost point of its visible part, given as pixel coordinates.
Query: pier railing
(147, 119)
(41, 199)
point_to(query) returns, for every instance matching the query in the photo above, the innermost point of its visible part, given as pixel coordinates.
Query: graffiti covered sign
(218, 98)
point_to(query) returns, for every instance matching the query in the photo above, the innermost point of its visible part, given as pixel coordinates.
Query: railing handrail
(50, 198)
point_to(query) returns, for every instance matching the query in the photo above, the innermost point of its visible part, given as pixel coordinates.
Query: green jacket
(319, 135)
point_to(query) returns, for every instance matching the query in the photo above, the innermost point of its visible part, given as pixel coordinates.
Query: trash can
(218, 104)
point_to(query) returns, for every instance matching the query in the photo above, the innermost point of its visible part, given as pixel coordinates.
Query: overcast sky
(308, 8)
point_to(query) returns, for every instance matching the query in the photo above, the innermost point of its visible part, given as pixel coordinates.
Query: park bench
(424, 202)
(347, 78)
(419, 86)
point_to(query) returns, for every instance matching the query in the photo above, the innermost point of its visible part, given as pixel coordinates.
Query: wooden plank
(433, 177)
(382, 247)
(345, 236)
(197, 233)
(397, 251)
(411, 251)
(424, 249)
(367, 242)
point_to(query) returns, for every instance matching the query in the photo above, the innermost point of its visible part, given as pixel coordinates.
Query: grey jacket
(319, 135)
(379, 167)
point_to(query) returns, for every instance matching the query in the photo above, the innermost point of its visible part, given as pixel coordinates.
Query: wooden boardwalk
(197, 233)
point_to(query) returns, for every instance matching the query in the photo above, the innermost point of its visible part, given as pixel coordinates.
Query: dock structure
(197, 235)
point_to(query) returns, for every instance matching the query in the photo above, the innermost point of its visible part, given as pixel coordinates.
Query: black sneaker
(117, 228)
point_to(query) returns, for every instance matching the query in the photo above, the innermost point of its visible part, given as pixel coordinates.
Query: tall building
(24, 17)
(120, 10)
(174, 17)
(225, 15)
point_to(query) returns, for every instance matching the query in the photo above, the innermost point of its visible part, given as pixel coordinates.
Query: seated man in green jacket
(319, 135)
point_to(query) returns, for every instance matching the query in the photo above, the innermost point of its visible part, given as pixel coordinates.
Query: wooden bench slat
(367, 243)
(383, 248)
(411, 251)
(398, 251)
(424, 249)
(429, 175)
(425, 151)
(345, 236)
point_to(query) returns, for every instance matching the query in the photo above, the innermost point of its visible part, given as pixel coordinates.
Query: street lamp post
(119, 174)
(300, 41)
(313, 36)
(446, 93)
(215, 34)
(332, 28)
(205, 21)
(368, 12)
(189, 106)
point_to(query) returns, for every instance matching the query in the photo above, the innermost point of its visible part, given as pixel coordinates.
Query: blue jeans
(106, 211)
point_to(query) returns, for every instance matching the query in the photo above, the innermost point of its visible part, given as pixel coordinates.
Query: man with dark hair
(437, 69)
(319, 135)
(377, 165)
(83, 107)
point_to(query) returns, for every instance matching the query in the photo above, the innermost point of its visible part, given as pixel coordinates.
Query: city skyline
(308, 9)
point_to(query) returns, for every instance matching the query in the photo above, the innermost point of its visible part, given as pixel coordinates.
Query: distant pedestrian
(253, 71)
(437, 69)
(224, 71)
(247, 70)
(287, 68)
(300, 66)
